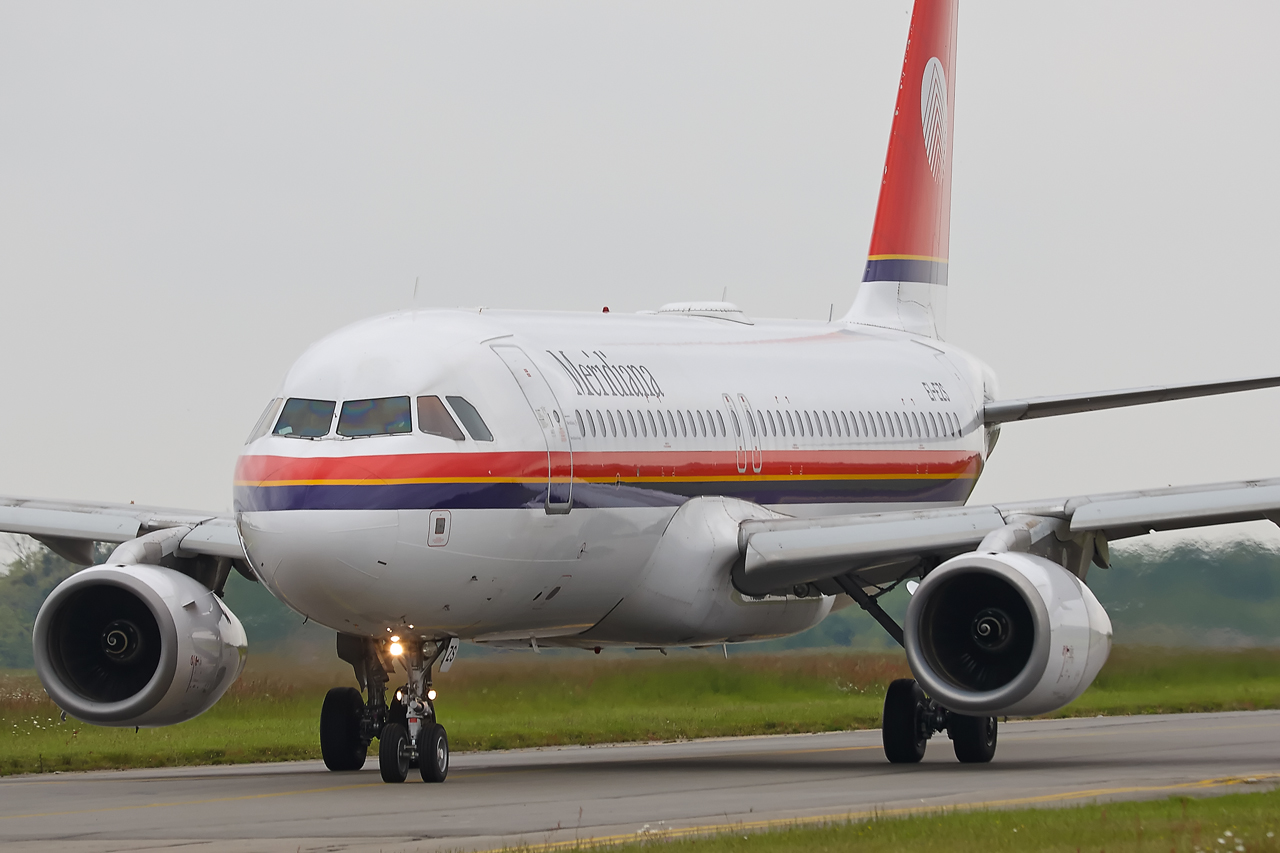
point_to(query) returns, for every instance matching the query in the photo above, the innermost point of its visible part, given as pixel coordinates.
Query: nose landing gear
(408, 734)
(911, 718)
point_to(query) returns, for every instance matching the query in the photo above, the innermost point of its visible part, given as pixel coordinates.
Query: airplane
(687, 476)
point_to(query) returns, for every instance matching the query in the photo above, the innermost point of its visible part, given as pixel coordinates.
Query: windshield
(264, 423)
(434, 419)
(381, 416)
(305, 418)
(470, 419)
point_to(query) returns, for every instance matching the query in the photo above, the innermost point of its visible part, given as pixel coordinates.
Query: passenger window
(652, 427)
(702, 425)
(791, 425)
(826, 420)
(862, 422)
(848, 431)
(737, 426)
(305, 418)
(808, 422)
(582, 428)
(878, 425)
(434, 419)
(613, 428)
(684, 429)
(773, 427)
(720, 423)
(631, 418)
(263, 426)
(471, 420)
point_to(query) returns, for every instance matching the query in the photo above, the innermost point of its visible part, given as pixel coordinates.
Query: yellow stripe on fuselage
(906, 258)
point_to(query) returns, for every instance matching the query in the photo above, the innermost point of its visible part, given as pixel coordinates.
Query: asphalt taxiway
(561, 796)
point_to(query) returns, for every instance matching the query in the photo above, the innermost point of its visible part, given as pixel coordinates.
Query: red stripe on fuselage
(524, 465)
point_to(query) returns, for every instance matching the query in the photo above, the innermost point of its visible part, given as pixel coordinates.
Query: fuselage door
(738, 428)
(555, 432)
(753, 434)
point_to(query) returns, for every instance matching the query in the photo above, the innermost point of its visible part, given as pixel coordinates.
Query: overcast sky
(192, 193)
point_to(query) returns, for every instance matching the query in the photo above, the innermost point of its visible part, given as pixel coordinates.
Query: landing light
(396, 649)
(431, 694)
(399, 695)
(395, 638)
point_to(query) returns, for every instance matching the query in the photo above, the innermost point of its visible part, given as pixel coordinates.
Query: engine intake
(1005, 633)
(136, 645)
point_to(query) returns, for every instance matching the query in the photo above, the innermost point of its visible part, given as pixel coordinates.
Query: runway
(563, 795)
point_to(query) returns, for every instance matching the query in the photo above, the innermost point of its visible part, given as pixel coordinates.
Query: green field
(1235, 822)
(521, 700)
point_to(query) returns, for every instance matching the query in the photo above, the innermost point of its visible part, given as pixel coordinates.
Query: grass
(272, 713)
(1234, 822)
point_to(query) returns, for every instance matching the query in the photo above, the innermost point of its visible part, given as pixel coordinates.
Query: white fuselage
(603, 426)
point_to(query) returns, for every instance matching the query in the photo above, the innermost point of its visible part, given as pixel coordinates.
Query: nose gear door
(555, 432)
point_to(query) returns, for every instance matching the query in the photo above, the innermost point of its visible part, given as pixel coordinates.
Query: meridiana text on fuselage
(596, 377)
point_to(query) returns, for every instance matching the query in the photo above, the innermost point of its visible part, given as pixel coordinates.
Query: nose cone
(323, 563)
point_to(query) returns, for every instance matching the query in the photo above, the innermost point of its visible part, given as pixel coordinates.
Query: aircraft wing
(69, 528)
(781, 553)
(1003, 411)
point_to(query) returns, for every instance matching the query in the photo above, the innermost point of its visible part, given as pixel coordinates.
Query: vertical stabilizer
(905, 283)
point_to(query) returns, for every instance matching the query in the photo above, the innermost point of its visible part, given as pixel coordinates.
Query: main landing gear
(407, 732)
(911, 718)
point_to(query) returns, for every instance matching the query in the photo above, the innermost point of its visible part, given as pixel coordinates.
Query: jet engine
(136, 645)
(990, 634)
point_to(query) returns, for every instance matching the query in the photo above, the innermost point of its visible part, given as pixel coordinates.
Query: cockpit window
(434, 419)
(263, 426)
(381, 416)
(470, 419)
(305, 418)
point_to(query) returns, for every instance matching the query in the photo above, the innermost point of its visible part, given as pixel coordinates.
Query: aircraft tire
(974, 738)
(340, 742)
(900, 727)
(393, 753)
(433, 753)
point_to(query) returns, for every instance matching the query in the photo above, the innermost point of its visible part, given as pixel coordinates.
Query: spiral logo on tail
(933, 116)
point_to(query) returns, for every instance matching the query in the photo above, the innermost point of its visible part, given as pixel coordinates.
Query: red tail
(907, 264)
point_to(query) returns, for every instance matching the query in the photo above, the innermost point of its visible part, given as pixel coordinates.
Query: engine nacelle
(1005, 633)
(136, 645)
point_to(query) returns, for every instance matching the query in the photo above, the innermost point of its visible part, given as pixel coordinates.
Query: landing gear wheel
(398, 713)
(974, 738)
(393, 753)
(340, 741)
(433, 753)
(902, 726)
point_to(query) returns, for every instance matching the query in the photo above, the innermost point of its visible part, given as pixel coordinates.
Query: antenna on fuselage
(415, 289)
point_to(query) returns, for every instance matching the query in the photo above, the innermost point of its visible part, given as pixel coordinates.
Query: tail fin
(906, 278)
